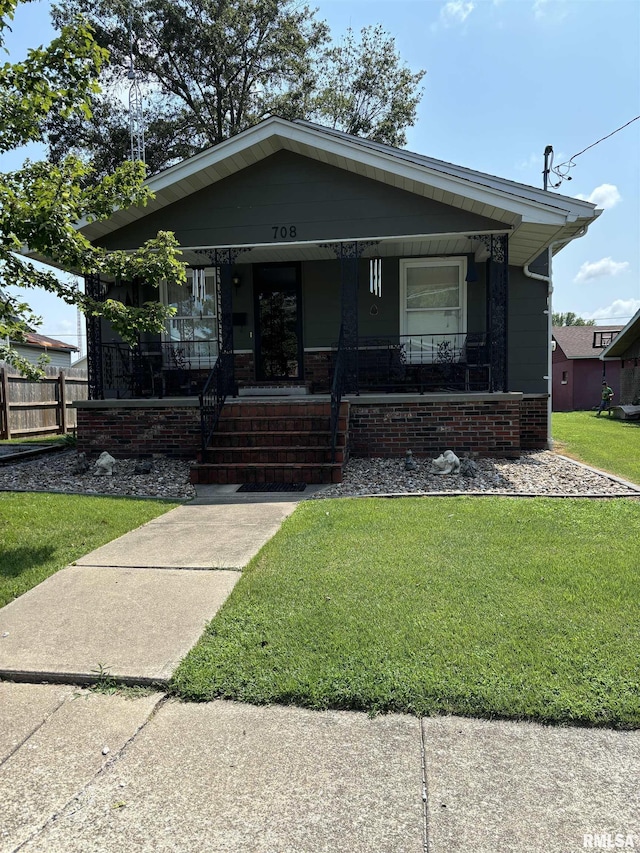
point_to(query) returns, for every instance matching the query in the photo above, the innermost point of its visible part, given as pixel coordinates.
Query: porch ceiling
(524, 246)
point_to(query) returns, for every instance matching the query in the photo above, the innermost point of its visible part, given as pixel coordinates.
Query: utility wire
(569, 164)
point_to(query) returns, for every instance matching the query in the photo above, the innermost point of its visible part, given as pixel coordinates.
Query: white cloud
(620, 309)
(455, 12)
(606, 195)
(552, 11)
(600, 269)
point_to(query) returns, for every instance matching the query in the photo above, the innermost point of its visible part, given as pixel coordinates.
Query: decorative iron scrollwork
(94, 289)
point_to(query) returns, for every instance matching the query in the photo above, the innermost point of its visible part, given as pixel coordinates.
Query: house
(343, 297)
(626, 348)
(36, 345)
(577, 368)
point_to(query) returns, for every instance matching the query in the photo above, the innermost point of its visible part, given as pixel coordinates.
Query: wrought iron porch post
(349, 254)
(498, 310)
(224, 260)
(93, 289)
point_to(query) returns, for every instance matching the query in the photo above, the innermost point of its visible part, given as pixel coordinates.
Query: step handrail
(217, 388)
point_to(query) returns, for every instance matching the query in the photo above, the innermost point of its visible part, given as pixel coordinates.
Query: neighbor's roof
(42, 341)
(629, 334)
(578, 341)
(534, 218)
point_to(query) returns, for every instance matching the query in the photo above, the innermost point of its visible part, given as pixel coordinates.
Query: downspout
(549, 280)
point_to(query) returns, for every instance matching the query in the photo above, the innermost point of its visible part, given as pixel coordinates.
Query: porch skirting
(129, 428)
(499, 425)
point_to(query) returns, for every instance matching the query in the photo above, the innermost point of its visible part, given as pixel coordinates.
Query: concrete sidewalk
(81, 771)
(135, 607)
(95, 771)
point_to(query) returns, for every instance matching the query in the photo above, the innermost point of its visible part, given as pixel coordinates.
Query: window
(193, 330)
(433, 305)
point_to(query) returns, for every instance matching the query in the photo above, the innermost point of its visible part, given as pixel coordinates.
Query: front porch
(370, 425)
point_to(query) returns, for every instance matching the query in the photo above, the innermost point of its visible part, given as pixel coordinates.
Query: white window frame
(202, 361)
(412, 263)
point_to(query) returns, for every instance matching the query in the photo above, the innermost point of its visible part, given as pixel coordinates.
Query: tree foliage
(41, 204)
(365, 90)
(570, 319)
(212, 68)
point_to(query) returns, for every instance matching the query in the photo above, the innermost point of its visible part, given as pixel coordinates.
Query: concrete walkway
(97, 771)
(135, 607)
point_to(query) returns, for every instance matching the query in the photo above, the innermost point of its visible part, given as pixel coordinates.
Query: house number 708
(281, 232)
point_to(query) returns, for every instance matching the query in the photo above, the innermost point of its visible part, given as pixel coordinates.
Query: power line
(562, 170)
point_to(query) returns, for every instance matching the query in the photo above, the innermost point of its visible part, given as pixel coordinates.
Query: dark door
(278, 321)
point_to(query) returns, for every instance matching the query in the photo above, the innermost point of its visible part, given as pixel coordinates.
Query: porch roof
(534, 218)
(628, 336)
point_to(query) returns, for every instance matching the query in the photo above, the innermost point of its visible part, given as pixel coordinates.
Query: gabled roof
(534, 218)
(629, 334)
(580, 341)
(32, 339)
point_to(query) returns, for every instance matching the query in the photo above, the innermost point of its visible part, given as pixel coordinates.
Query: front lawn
(41, 533)
(502, 607)
(603, 442)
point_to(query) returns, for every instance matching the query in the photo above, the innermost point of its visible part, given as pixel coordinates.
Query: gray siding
(288, 190)
(56, 357)
(527, 328)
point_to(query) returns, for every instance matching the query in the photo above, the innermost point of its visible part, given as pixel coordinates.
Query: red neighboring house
(577, 369)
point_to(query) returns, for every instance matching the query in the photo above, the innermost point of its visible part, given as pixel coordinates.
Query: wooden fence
(40, 408)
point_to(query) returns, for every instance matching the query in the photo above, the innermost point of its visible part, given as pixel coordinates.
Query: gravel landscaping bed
(538, 473)
(535, 473)
(168, 478)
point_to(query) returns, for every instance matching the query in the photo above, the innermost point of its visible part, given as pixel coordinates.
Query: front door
(278, 332)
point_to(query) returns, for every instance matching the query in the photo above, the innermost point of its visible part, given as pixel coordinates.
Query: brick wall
(127, 431)
(484, 427)
(243, 367)
(534, 423)
(317, 370)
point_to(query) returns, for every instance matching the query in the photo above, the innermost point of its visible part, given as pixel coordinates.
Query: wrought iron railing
(219, 385)
(337, 390)
(156, 369)
(405, 363)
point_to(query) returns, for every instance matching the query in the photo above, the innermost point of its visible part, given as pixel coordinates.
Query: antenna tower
(136, 113)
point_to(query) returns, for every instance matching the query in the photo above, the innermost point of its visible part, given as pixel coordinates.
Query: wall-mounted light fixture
(472, 273)
(235, 280)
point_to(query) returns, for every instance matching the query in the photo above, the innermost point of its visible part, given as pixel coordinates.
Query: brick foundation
(534, 423)
(317, 371)
(500, 425)
(486, 427)
(127, 430)
(244, 367)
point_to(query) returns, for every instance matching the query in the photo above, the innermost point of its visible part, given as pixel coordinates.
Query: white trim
(448, 235)
(408, 263)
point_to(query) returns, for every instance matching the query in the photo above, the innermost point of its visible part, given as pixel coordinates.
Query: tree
(41, 204)
(366, 91)
(570, 319)
(212, 68)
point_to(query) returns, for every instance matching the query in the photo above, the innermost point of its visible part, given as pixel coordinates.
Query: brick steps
(274, 439)
(274, 442)
(311, 474)
(244, 455)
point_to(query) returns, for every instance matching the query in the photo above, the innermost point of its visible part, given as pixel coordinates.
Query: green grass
(603, 442)
(41, 533)
(43, 439)
(523, 609)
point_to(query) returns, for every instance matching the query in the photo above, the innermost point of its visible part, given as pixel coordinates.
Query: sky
(505, 78)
